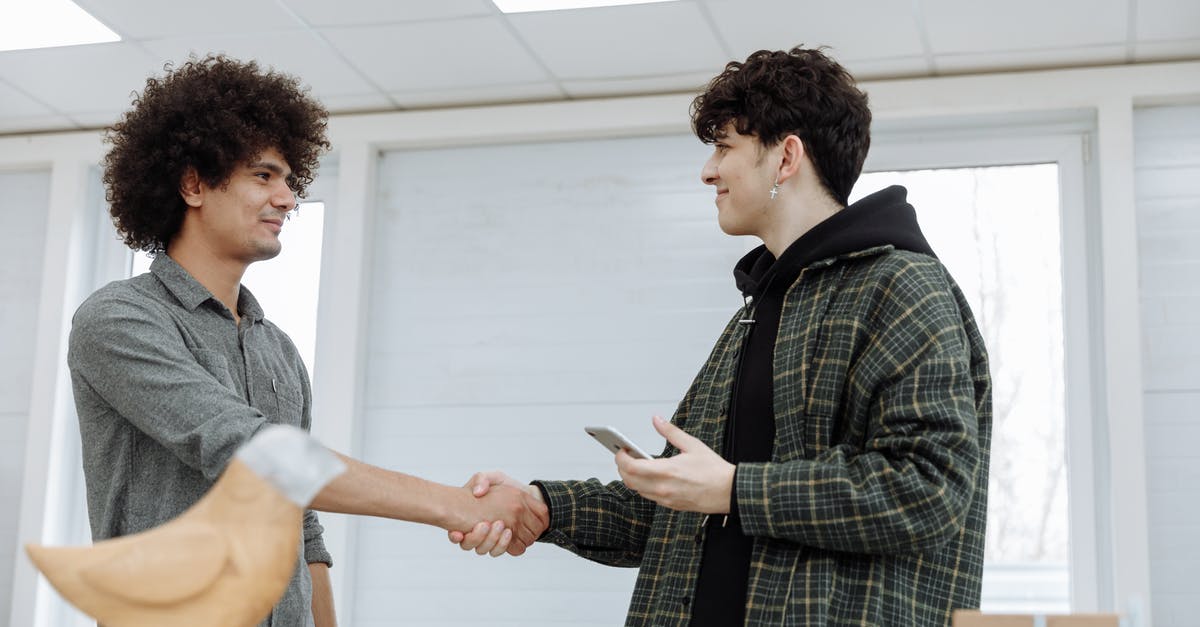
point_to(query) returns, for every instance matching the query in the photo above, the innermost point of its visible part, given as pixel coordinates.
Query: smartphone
(614, 441)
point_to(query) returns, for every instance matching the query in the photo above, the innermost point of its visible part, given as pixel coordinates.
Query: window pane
(997, 230)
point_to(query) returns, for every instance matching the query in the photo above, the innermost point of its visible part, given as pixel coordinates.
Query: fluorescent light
(47, 23)
(527, 6)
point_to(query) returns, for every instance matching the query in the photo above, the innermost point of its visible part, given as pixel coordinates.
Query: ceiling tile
(750, 25)
(139, 19)
(1167, 50)
(1030, 59)
(437, 55)
(375, 12)
(1168, 19)
(301, 53)
(691, 83)
(956, 26)
(15, 103)
(98, 77)
(617, 42)
(528, 92)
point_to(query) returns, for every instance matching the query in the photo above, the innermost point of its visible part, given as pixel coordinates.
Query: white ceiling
(377, 55)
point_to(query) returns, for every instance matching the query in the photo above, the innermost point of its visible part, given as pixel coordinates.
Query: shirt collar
(191, 293)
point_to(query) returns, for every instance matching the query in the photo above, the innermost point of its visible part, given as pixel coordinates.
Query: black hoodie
(883, 218)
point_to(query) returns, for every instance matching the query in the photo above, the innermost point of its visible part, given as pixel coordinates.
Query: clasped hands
(697, 479)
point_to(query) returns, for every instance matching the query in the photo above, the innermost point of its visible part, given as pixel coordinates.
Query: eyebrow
(268, 165)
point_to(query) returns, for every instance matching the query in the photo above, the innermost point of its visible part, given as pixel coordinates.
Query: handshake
(513, 515)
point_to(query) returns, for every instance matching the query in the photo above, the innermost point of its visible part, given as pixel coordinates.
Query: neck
(804, 210)
(220, 275)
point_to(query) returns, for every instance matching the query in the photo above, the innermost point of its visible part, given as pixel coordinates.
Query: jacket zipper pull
(749, 320)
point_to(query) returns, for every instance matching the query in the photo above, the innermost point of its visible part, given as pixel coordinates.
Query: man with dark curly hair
(828, 466)
(175, 369)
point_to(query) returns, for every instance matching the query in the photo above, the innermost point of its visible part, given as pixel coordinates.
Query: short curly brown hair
(800, 92)
(211, 114)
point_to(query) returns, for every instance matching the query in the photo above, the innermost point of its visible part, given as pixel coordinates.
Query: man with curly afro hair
(175, 369)
(829, 464)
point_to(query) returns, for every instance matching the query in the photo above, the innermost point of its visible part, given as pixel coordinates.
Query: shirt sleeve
(314, 538)
(314, 541)
(135, 358)
(909, 484)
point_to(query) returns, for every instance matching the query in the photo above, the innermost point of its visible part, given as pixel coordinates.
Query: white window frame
(983, 143)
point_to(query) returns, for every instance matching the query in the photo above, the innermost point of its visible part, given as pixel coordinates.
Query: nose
(283, 198)
(708, 174)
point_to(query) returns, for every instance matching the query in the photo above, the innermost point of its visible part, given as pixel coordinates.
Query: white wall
(24, 199)
(519, 293)
(1168, 207)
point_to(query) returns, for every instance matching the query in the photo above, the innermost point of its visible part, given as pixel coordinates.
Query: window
(997, 229)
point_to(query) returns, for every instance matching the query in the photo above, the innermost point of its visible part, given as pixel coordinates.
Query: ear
(793, 153)
(191, 188)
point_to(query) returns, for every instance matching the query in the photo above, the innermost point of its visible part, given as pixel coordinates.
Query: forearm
(322, 596)
(368, 490)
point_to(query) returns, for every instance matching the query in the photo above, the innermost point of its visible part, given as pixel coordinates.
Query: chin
(731, 227)
(264, 252)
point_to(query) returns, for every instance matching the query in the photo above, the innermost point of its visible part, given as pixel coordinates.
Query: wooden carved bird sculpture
(225, 561)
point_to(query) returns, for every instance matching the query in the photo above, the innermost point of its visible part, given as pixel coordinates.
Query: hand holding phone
(614, 441)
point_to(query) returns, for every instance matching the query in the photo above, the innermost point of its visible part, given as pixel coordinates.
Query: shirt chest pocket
(288, 401)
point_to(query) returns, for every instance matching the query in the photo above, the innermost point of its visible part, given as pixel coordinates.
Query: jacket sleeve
(908, 484)
(605, 523)
(135, 359)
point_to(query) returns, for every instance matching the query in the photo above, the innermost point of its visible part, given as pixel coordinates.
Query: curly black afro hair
(211, 114)
(803, 92)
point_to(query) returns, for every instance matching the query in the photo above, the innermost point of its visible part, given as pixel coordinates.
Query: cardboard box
(972, 618)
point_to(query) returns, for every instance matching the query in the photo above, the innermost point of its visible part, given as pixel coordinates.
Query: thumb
(480, 484)
(676, 436)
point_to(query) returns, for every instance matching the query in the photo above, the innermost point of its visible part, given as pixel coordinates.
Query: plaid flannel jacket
(872, 510)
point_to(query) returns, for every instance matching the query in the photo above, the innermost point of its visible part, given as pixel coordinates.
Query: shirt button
(685, 600)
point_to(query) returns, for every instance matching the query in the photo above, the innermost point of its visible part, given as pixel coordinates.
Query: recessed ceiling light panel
(28, 24)
(528, 6)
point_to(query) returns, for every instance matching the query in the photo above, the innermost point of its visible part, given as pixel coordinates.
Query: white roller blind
(24, 201)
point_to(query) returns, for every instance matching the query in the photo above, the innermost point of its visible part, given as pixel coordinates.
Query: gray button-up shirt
(167, 388)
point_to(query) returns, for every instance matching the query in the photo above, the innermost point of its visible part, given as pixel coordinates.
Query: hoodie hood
(884, 218)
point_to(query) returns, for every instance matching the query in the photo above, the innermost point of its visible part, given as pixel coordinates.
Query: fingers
(502, 545)
(676, 436)
(476, 537)
(496, 531)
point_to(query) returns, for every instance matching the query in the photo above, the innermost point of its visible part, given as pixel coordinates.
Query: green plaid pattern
(872, 510)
